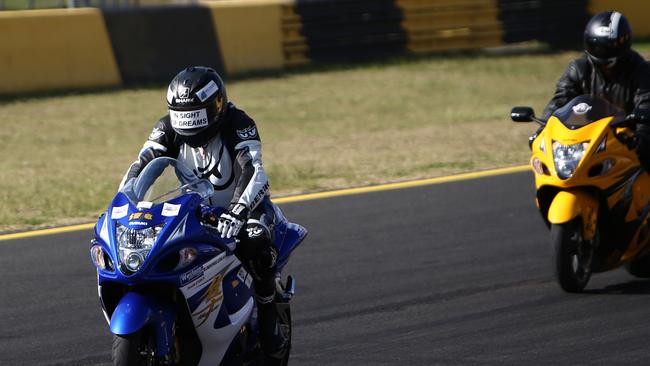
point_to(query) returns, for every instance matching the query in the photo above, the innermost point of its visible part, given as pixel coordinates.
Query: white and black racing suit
(232, 161)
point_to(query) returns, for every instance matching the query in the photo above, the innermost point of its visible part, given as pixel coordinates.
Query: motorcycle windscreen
(585, 109)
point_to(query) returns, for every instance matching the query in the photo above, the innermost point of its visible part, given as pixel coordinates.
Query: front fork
(136, 311)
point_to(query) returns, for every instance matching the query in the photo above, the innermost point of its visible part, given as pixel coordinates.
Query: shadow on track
(635, 287)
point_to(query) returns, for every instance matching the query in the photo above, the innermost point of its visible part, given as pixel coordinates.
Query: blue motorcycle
(171, 290)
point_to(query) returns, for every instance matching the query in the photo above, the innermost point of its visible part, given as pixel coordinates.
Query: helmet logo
(581, 108)
(183, 91)
(604, 31)
(610, 30)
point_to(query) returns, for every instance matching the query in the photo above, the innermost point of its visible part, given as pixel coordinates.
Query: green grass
(323, 128)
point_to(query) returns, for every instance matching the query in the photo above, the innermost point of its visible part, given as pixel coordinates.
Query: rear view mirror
(522, 114)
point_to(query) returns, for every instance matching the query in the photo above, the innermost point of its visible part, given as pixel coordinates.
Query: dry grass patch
(64, 155)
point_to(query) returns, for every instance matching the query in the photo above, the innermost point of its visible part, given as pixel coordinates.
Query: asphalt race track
(447, 274)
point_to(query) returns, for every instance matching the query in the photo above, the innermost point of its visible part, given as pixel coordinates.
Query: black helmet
(607, 37)
(197, 102)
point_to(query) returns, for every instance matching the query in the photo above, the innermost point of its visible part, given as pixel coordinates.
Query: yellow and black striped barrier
(80, 48)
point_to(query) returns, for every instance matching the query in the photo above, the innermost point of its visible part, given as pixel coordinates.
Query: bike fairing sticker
(208, 299)
(197, 272)
(170, 210)
(119, 212)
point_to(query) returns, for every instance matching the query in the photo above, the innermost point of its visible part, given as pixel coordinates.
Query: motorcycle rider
(609, 69)
(221, 143)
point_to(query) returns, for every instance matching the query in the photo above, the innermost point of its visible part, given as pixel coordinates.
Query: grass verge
(323, 128)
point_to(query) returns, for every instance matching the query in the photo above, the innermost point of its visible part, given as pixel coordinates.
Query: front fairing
(181, 229)
(598, 134)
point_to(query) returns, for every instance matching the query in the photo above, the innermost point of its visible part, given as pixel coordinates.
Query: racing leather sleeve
(252, 183)
(159, 143)
(570, 85)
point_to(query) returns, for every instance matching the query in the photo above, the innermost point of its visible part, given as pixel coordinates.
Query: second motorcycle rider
(610, 69)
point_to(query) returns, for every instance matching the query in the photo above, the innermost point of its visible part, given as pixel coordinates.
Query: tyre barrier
(54, 49)
(45, 50)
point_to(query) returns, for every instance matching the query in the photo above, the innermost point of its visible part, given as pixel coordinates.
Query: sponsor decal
(212, 299)
(255, 231)
(119, 212)
(260, 194)
(170, 210)
(244, 277)
(148, 216)
(214, 261)
(144, 205)
(238, 209)
(137, 223)
(191, 275)
(207, 91)
(185, 120)
(184, 100)
(247, 133)
(156, 134)
(581, 108)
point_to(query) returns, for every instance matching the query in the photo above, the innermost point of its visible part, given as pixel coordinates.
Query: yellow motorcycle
(591, 190)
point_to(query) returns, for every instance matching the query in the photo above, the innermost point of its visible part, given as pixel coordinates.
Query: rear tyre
(132, 350)
(640, 267)
(572, 256)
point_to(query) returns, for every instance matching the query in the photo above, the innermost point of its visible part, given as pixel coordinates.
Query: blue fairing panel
(135, 311)
(287, 237)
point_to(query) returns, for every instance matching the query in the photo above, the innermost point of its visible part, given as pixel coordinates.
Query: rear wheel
(640, 267)
(133, 350)
(572, 256)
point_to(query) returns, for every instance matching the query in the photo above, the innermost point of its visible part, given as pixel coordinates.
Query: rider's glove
(233, 220)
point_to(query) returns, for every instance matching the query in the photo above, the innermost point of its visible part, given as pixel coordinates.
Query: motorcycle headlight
(567, 157)
(134, 245)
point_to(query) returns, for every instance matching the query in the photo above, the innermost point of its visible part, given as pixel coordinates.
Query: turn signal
(99, 257)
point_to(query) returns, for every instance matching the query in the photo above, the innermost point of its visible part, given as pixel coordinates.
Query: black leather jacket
(627, 86)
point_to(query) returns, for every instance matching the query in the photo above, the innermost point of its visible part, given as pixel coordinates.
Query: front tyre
(132, 350)
(572, 256)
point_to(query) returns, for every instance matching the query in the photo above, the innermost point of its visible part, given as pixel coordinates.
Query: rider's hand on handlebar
(231, 222)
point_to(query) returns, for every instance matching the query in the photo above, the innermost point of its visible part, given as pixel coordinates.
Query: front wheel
(572, 256)
(133, 350)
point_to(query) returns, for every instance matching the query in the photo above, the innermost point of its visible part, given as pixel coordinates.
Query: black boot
(270, 339)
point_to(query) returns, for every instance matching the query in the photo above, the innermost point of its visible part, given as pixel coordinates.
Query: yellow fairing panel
(594, 134)
(570, 204)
